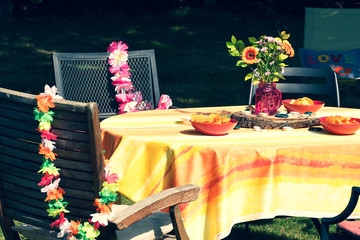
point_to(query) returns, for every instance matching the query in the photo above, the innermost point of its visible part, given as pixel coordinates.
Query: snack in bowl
(340, 125)
(214, 124)
(302, 105)
(302, 101)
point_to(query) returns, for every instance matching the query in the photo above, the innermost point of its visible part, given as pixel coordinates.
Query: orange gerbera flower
(249, 55)
(288, 48)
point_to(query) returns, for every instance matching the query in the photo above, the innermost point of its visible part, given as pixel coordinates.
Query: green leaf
(281, 76)
(240, 45)
(252, 40)
(249, 76)
(239, 63)
(233, 39)
(234, 53)
(230, 45)
(282, 57)
(286, 36)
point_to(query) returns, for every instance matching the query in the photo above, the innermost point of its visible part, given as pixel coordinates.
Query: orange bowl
(302, 108)
(213, 128)
(341, 129)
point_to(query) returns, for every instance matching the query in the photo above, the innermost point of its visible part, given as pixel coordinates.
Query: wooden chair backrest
(80, 158)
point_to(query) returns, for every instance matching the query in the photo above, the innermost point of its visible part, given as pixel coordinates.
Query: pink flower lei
(51, 179)
(128, 100)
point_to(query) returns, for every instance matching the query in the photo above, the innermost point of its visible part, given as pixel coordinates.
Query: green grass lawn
(193, 65)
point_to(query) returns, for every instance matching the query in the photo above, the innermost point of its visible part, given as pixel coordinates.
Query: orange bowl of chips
(340, 125)
(302, 105)
(213, 124)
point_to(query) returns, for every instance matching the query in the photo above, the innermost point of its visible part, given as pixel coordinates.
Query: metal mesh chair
(85, 77)
(330, 87)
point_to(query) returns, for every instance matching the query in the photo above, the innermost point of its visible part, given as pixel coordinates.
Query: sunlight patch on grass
(43, 51)
(132, 31)
(177, 28)
(187, 101)
(156, 43)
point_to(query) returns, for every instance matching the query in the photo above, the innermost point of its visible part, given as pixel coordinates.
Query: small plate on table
(302, 108)
(214, 129)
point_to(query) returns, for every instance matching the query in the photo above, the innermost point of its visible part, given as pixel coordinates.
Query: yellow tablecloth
(245, 175)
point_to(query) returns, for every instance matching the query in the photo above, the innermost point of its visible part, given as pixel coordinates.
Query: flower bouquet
(265, 56)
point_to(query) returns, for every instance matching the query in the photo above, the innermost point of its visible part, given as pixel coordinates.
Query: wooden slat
(16, 115)
(72, 145)
(9, 107)
(29, 218)
(26, 98)
(33, 161)
(75, 136)
(29, 151)
(40, 210)
(71, 116)
(18, 125)
(30, 155)
(13, 190)
(29, 117)
(71, 155)
(78, 170)
(69, 125)
(17, 134)
(30, 186)
(16, 106)
(34, 176)
(16, 171)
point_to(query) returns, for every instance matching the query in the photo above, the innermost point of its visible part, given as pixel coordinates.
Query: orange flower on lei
(47, 152)
(44, 102)
(102, 208)
(74, 228)
(54, 194)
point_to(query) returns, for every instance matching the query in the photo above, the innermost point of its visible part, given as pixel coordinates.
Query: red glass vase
(267, 98)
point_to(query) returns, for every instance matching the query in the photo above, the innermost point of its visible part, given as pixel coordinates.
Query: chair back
(85, 77)
(330, 87)
(79, 157)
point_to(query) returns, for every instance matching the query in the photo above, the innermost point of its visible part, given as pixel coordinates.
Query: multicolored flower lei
(51, 179)
(128, 101)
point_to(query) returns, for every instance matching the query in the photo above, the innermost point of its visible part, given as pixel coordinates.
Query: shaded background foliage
(188, 36)
(256, 8)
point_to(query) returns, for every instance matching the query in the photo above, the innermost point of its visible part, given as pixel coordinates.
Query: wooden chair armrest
(154, 203)
(355, 192)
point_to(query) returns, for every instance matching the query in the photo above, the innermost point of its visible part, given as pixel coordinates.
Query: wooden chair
(330, 87)
(350, 228)
(81, 161)
(85, 77)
